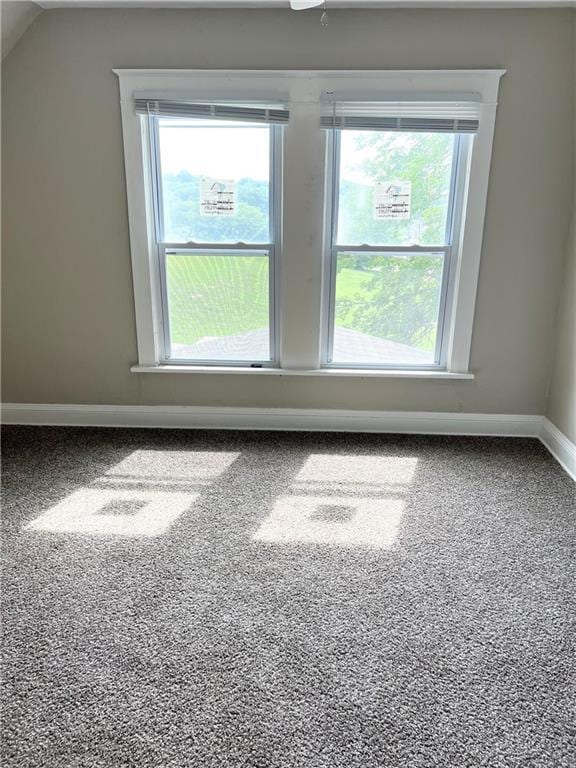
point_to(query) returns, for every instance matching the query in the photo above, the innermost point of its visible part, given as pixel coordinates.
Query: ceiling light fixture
(304, 5)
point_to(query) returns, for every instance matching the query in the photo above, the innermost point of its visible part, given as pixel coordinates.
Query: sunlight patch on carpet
(372, 470)
(309, 520)
(90, 510)
(156, 468)
(124, 500)
(353, 501)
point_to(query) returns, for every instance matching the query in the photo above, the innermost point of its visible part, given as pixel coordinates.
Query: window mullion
(301, 288)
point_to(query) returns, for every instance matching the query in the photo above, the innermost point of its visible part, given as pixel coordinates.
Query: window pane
(218, 306)
(394, 188)
(215, 181)
(387, 306)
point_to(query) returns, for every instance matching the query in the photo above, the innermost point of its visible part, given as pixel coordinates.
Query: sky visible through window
(205, 147)
(209, 148)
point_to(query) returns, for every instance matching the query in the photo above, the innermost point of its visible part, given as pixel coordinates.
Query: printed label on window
(217, 197)
(392, 200)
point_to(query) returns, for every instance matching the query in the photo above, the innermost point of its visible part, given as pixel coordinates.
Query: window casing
(300, 247)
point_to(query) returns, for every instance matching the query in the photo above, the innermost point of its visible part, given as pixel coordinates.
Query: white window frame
(461, 152)
(270, 248)
(302, 292)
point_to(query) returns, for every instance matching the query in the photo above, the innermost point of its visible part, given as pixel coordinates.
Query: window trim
(303, 89)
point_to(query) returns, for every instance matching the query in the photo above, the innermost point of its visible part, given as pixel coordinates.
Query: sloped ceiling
(15, 18)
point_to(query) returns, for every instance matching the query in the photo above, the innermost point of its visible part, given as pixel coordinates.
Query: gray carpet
(286, 600)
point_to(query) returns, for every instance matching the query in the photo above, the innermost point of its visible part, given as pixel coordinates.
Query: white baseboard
(298, 419)
(563, 450)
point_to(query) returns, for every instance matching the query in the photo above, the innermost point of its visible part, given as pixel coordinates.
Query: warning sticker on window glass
(217, 197)
(392, 200)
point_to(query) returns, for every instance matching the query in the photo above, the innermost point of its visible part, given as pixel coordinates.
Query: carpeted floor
(220, 600)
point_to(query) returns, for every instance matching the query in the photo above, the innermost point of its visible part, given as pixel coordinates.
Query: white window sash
(271, 247)
(448, 247)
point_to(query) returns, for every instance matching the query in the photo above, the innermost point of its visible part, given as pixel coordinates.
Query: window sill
(360, 373)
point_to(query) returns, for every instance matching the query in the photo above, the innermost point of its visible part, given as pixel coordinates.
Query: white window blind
(430, 116)
(250, 113)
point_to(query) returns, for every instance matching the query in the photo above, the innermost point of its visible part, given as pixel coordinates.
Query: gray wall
(562, 401)
(68, 318)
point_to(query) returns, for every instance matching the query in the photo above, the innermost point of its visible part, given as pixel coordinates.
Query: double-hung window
(324, 223)
(395, 189)
(214, 171)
